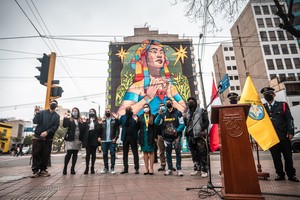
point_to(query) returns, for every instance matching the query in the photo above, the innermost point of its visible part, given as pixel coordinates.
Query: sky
(81, 66)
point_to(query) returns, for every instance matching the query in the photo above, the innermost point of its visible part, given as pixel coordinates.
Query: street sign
(223, 84)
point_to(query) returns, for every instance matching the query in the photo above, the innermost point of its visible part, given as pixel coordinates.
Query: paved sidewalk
(15, 183)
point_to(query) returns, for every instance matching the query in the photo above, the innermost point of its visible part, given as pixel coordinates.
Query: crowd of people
(163, 131)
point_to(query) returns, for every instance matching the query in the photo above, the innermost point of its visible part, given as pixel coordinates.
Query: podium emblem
(256, 112)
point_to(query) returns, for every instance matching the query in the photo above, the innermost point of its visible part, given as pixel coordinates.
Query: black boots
(92, 170)
(65, 170)
(73, 170)
(86, 170)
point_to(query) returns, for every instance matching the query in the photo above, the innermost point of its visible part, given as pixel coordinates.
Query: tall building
(265, 51)
(296, 12)
(224, 63)
(149, 67)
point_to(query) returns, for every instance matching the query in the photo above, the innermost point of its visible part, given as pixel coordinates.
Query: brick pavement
(16, 184)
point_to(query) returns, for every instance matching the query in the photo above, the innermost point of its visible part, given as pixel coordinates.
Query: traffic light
(44, 69)
(56, 92)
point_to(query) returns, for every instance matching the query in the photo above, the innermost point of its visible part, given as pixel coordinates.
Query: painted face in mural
(155, 57)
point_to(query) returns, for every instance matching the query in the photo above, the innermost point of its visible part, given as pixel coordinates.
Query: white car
(26, 150)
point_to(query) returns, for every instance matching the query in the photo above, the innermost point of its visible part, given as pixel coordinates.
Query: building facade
(5, 136)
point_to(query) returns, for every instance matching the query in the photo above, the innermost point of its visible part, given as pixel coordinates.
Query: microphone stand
(204, 190)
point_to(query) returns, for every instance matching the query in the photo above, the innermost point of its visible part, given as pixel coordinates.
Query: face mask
(53, 106)
(91, 115)
(233, 101)
(169, 105)
(269, 97)
(129, 112)
(146, 110)
(107, 114)
(163, 108)
(191, 104)
(75, 114)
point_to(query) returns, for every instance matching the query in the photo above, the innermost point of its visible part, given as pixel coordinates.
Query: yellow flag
(259, 124)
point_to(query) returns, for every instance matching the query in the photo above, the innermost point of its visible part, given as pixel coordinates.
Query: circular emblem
(256, 112)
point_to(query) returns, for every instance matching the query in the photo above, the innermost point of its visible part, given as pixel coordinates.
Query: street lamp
(98, 108)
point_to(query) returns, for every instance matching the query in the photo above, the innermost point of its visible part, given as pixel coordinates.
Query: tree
(207, 10)
(28, 140)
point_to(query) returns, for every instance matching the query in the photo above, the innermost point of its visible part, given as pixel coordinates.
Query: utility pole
(200, 74)
(50, 79)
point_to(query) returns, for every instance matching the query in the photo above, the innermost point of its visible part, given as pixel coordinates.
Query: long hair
(96, 118)
(78, 117)
(150, 114)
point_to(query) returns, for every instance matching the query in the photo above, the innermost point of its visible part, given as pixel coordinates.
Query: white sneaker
(168, 172)
(196, 173)
(112, 171)
(104, 171)
(204, 174)
(179, 173)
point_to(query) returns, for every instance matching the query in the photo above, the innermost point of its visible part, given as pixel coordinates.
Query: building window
(270, 64)
(230, 78)
(269, 22)
(272, 76)
(291, 77)
(231, 87)
(288, 63)
(260, 23)
(295, 103)
(266, 10)
(284, 49)
(282, 78)
(279, 63)
(238, 87)
(293, 49)
(230, 48)
(226, 57)
(297, 63)
(272, 35)
(280, 35)
(225, 49)
(228, 67)
(296, 7)
(275, 49)
(236, 77)
(276, 22)
(289, 36)
(263, 36)
(233, 67)
(267, 49)
(257, 10)
(297, 21)
(273, 9)
(232, 57)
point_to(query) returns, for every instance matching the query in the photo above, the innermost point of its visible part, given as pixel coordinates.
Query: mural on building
(151, 72)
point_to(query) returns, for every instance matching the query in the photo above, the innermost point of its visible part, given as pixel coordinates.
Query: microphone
(219, 88)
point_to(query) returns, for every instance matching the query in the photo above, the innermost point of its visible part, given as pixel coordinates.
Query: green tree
(28, 140)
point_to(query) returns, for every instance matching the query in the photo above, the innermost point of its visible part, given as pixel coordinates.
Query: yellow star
(181, 53)
(122, 54)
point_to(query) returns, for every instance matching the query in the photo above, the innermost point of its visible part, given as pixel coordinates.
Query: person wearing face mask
(283, 122)
(233, 97)
(146, 138)
(91, 129)
(129, 137)
(47, 123)
(72, 138)
(197, 123)
(110, 134)
(172, 126)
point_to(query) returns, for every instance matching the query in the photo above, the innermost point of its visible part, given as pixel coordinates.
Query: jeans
(176, 145)
(112, 148)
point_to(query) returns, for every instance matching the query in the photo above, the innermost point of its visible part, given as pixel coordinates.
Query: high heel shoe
(73, 171)
(151, 173)
(146, 173)
(65, 171)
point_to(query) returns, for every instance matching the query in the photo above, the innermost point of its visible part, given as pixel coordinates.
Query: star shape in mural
(181, 53)
(122, 54)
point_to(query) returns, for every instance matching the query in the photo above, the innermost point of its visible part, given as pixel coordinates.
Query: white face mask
(146, 110)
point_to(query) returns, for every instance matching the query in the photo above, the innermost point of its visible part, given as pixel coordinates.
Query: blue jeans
(112, 148)
(169, 148)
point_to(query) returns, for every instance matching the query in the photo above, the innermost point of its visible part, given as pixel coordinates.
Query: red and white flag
(214, 129)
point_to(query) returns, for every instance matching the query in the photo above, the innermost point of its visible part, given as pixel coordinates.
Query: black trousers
(198, 150)
(284, 148)
(129, 141)
(41, 150)
(90, 151)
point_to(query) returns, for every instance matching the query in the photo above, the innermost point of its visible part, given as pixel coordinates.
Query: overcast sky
(81, 66)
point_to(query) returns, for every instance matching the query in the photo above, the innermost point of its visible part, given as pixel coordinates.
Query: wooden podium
(239, 176)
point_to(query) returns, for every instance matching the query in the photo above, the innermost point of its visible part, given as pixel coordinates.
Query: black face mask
(92, 115)
(129, 113)
(169, 105)
(52, 106)
(269, 97)
(233, 101)
(107, 114)
(191, 104)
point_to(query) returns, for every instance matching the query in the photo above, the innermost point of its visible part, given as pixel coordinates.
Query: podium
(239, 176)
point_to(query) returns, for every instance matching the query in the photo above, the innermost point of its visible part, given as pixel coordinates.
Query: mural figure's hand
(153, 87)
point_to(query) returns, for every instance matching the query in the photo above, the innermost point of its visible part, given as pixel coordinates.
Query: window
(293, 49)
(295, 103)
(282, 78)
(233, 67)
(289, 36)
(257, 10)
(238, 87)
(280, 35)
(225, 49)
(276, 22)
(236, 77)
(288, 63)
(231, 87)
(232, 57)
(297, 21)
(296, 7)
(230, 48)
(279, 63)
(227, 58)
(269, 22)
(275, 49)
(291, 77)
(260, 23)
(297, 63)
(267, 49)
(270, 64)
(228, 67)
(266, 10)
(273, 9)
(230, 78)
(272, 35)
(272, 76)
(284, 49)
(263, 36)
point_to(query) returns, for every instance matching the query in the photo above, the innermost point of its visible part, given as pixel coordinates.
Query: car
(26, 150)
(295, 142)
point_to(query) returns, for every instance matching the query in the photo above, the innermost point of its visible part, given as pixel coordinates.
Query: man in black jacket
(47, 123)
(283, 122)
